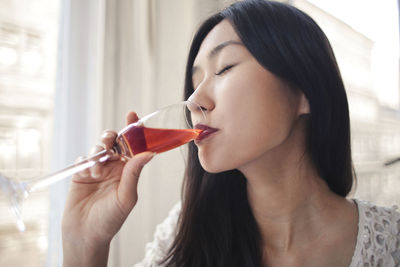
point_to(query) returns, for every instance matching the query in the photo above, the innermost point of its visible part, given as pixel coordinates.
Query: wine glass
(160, 131)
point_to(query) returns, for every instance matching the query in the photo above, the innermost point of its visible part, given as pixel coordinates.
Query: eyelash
(225, 69)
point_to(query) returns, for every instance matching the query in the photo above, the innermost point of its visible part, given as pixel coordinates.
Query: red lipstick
(206, 131)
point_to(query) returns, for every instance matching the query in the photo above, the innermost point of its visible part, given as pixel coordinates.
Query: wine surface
(138, 139)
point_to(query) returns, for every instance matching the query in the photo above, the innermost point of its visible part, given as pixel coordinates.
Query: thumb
(127, 189)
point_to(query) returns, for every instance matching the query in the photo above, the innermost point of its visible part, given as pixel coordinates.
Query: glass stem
(44, 181)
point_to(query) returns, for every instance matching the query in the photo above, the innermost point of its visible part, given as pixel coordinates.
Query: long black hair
(216, 226)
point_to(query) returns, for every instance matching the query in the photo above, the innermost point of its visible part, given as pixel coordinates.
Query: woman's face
(252, 109)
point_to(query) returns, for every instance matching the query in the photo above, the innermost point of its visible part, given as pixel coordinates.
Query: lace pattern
(378, 242)
(163, 238)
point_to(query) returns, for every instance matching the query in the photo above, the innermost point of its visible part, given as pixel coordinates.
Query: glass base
(15, 192)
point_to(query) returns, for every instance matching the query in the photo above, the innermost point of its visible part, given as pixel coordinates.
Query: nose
(202, 97)
(197, 112)
(193, 106)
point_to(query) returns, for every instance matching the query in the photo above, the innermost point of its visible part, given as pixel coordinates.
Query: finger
(131, 117)
(96, 170)
(127, 189)
(84, 173)
(108, 138)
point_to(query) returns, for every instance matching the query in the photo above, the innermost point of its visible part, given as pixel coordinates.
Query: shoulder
(378, 239)
(163, 237)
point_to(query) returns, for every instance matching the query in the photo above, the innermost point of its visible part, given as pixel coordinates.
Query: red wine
(137, 139)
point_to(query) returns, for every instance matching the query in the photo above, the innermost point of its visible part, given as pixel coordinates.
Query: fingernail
(107, 135)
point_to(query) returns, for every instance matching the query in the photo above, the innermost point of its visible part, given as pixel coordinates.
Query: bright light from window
(379, 22)
(8, 56)
(31, 61)
(7, 150)
(29, 141)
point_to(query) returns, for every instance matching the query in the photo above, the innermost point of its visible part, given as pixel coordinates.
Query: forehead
(220, 33)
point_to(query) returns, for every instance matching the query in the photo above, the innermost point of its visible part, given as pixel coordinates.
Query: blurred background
(71, 68)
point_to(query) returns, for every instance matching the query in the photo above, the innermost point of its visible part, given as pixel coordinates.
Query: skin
(99, 201)
(262, 133)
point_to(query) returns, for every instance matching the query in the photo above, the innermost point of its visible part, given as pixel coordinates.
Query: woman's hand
(99, 201)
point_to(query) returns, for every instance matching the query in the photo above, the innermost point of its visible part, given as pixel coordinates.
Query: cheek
(243, 141)
(243, 138)
(255, 116)
(246, 143)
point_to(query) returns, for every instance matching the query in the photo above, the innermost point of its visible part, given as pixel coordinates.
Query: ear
(304, 107)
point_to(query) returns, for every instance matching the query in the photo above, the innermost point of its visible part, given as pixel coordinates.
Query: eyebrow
(216, 50)
(221, 46)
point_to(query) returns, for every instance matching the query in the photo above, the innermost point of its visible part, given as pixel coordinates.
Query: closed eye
(225, 69)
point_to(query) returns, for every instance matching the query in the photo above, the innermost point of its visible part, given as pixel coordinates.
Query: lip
(207, 131)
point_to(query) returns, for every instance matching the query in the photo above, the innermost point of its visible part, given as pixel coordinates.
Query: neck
(288, 198)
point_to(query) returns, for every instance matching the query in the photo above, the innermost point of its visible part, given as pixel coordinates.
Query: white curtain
(76, 120)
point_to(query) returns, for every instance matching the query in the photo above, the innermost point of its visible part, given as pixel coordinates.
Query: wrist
(81, 254)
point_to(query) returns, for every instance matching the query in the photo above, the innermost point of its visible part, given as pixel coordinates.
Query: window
(28, 41)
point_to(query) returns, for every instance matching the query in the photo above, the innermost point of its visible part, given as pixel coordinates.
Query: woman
(269, 186)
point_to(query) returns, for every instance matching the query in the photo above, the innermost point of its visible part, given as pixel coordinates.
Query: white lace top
(378, 240)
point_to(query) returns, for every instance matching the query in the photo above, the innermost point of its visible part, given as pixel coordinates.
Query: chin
(214, 167)
(209, 168)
